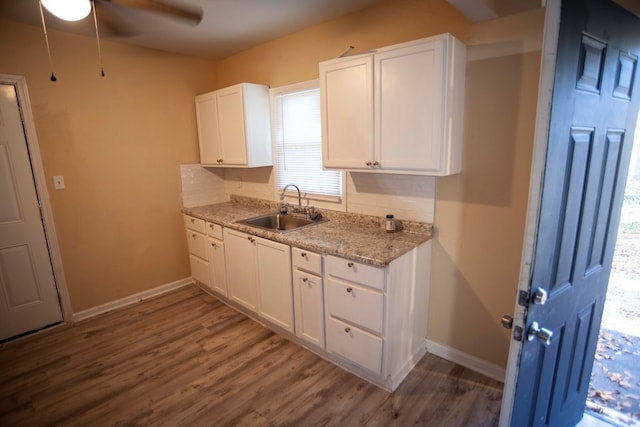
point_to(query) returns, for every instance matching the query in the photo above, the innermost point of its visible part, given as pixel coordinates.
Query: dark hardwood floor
(184, 358)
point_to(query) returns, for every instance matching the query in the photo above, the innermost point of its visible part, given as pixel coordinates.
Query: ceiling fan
(110, 12)
(107, 10)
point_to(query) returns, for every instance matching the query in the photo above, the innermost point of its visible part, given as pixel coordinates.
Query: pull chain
(46, 39)
(95, 22)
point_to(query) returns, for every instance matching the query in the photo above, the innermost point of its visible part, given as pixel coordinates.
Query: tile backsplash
(201, 186)
(408, 197)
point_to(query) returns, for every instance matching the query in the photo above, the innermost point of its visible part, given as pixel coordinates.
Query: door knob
(507, 321)
(540, 296)
(543, 334)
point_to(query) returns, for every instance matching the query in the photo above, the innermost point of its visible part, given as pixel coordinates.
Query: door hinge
(523, 298)
(517, 333)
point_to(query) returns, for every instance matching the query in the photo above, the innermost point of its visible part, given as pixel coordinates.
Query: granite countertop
(352, 236)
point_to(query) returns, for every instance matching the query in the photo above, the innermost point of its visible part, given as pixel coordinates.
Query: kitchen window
(297, 136)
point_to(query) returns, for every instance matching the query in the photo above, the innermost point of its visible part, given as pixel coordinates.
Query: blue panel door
(594, 110)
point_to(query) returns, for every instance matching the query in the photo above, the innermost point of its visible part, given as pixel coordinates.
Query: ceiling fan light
(68, 10)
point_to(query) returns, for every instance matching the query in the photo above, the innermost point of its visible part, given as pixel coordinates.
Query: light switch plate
(58, 182)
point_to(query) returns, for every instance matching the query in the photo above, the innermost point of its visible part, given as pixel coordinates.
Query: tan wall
(118, 142)
(480, 213)
(294, 58)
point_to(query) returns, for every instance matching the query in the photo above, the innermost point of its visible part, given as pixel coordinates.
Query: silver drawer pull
(347, 329)
(349, 290)
(350, 264)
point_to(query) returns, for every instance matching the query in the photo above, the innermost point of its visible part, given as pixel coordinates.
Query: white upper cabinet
(346, 96)
(234, 127)
(398, 110)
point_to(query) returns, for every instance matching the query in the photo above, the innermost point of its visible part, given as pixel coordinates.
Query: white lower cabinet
(376, 318)
(242, 274)
(369, 320)
(355, 312)
(308, 296)
(259, 277)
(197, 244)
(217, 269)
(274, 282)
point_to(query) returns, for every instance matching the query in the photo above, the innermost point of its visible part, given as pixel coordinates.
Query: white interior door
(28, 295)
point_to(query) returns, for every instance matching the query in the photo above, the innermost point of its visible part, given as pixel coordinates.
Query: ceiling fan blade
(111, 23)
(189, 13)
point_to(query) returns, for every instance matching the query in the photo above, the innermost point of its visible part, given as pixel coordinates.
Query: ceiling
(227, 26)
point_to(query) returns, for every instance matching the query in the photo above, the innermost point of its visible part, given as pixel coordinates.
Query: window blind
(297, 139)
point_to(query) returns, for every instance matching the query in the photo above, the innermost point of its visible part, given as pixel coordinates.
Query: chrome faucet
(299, 197)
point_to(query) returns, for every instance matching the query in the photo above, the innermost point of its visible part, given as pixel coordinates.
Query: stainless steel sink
(279, 222)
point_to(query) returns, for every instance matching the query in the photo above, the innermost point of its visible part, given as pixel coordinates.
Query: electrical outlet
(58, 182)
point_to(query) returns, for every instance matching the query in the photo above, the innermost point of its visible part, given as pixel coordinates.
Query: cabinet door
(346, 89)
(410, 107)
(308, 307)
(242, 279)
(208, 131)
(230, 105)
(274, 282)
(217, 270)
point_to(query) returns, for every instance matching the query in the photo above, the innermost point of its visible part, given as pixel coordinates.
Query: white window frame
(320, 200)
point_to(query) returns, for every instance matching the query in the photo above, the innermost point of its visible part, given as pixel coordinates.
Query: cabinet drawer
(199, 270)
(214, 230)
(195, 224)
(355, 304)
(356, 272)
(197, 244)
(307, 261)
(354, 344)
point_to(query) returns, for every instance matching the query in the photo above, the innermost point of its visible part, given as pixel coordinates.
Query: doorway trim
(541, 139)
(28, 123)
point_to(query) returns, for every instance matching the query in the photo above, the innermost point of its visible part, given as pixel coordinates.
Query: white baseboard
(468, 361)
(131, 299)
